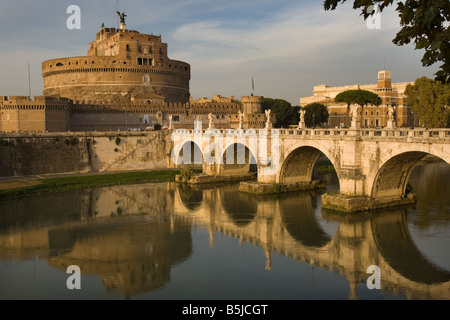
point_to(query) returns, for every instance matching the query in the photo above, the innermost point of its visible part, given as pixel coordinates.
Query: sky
(286, 46)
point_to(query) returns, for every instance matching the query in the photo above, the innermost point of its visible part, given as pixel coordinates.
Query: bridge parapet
(330, 132)
(401, 133)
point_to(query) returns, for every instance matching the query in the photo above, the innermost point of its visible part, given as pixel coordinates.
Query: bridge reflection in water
(133, 236)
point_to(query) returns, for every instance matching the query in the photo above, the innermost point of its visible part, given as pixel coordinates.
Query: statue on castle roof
(122, 17)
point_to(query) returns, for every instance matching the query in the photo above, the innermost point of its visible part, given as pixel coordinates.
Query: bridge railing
(334, 132)
(407, 132)
(371, 132)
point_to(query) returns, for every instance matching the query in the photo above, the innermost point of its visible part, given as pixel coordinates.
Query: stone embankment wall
(48, 153)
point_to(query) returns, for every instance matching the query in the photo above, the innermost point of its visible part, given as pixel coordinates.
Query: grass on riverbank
(89, 181)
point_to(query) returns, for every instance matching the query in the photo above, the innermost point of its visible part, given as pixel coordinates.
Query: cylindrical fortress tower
(120, 65)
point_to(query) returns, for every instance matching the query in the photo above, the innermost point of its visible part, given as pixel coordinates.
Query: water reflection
(133, 236)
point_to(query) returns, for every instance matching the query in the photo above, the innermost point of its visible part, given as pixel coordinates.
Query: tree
(430, 101)
(316, 114)
(424, 22)
(359, 97)
(286, 114)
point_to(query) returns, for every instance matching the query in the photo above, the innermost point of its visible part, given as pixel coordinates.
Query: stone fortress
(125, 82)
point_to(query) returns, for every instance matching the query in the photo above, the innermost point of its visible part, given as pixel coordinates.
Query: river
(168, 241)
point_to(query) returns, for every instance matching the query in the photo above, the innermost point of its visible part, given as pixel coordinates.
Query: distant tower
(384, 80)
(252, 104)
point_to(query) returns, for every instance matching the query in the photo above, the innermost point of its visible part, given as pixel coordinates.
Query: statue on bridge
(355, 116)
(268, 123)
(211, 120)
(170, 122)
(391, 112)
(241, 120)
(391, 121)
(301, 123)
(198, 123)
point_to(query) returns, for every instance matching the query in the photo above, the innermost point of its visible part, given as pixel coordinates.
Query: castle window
(59, 64)
(176, 118)
(128, 48)
(139, 60)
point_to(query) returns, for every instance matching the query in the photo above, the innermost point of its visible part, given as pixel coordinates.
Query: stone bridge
(373, 165)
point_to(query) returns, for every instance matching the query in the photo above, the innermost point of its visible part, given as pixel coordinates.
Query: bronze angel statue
(122, 17)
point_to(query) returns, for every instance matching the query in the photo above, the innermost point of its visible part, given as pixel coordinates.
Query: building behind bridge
(391, 94)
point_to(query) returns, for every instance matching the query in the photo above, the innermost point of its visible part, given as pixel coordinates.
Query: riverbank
(31, 186)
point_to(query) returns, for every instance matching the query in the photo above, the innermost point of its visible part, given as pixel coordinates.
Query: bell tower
(384, 80)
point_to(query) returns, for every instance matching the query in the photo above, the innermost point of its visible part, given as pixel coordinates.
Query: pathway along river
(165, 241)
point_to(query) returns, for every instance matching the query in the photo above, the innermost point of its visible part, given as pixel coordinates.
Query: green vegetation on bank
(90, 181)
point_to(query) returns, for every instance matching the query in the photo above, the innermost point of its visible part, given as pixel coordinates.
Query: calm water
(164, 241)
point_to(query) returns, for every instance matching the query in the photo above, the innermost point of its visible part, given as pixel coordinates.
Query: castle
(125, 82)
(391, 94)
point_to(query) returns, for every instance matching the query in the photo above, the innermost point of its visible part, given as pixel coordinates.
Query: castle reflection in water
(132, 236)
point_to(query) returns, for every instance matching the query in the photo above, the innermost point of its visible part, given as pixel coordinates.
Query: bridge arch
(187, 152)
(298, 165)
(238, 158)
(392, 176)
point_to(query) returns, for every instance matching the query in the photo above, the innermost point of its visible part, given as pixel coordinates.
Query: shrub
(186, 174)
